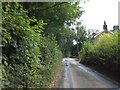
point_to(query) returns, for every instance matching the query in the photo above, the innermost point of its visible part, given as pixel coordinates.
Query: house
(95, 36)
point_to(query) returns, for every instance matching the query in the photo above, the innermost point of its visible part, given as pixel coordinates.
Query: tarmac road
(79, 76)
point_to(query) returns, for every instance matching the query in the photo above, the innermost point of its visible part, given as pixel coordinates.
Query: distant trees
(80, 37)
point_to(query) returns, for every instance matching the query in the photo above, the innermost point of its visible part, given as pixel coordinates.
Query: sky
(96, 11)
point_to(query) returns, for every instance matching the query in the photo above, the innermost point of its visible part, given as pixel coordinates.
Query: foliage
(50, 59)
(80, 37)
(58, 16)
(34, 38)
(25, 50)
(102, 52)
(53, 12)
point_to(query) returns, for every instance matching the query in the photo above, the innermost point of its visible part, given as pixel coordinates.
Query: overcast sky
(96, 11)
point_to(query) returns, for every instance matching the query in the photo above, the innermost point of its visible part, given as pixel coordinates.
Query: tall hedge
(29, 59)
(102, 52)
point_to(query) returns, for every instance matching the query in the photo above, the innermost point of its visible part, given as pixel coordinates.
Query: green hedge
(51, 57)
(102, 52)
(29, 59)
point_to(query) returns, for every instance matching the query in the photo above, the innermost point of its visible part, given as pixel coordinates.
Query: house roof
(105, 30)
(100, 33)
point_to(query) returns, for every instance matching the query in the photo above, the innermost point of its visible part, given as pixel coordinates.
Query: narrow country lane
(78, 76)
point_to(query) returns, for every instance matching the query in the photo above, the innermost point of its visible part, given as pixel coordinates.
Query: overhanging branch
(54, 6)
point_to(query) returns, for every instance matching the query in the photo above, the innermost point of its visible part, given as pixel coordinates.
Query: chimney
(105, 27)
(116, 27)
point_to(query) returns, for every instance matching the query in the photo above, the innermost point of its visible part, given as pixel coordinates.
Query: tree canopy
(58, 16)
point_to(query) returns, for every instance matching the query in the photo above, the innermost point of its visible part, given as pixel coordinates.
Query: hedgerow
(102, 52)
(29, 59)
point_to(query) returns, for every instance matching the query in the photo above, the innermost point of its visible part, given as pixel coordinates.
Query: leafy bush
(102, 52)
(29, 58)
(51, 59)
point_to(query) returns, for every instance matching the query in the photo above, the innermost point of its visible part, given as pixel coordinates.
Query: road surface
(78, 76)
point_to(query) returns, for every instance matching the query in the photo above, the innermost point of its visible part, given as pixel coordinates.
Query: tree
(58, 16)
(80, 37)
